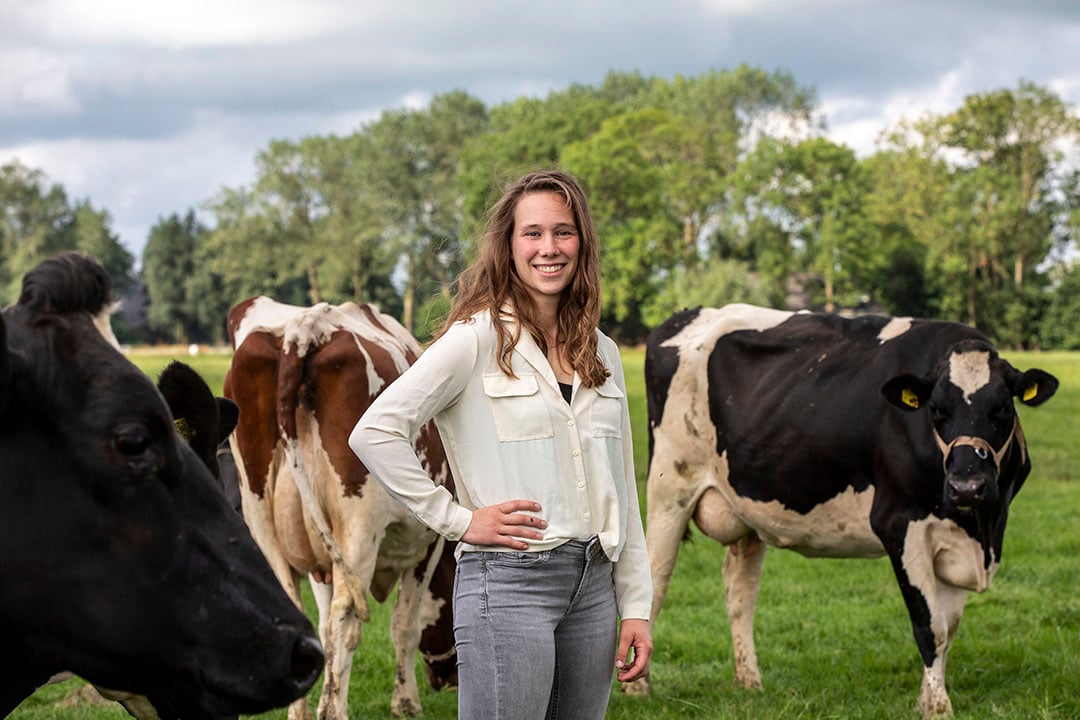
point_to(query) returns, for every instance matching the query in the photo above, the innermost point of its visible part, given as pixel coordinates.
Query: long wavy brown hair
(491, 282)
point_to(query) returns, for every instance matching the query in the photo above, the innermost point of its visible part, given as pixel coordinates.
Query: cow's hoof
(937, 708)
(405, 708)
(750, 682)
(638, 688)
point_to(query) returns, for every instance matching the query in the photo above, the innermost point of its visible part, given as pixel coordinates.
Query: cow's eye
(937, 415)
(132, 441)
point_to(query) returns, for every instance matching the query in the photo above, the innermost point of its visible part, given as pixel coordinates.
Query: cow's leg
(945, 612)
(323, 594)
(742, 580)
(670, 504)
(342, 633)
(405, 632)
(935, 609)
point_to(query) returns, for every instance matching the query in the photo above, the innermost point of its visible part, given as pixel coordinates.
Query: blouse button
(577, 453)
(570, 423)
(587, 515)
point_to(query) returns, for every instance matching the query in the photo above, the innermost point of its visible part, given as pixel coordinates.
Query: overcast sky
(150, 107)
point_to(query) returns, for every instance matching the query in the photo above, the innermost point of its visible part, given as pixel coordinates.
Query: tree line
(715, 188)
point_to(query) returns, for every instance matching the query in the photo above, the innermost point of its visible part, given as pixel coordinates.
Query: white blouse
(514, 438)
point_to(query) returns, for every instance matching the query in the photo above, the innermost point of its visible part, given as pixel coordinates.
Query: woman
(529, 398)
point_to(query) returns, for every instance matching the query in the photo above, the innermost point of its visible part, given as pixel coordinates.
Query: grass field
(833, 636)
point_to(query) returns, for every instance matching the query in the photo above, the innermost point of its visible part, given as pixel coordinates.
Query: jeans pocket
(515, 559)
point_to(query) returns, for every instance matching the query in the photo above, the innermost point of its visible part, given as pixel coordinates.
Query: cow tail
(290, 378)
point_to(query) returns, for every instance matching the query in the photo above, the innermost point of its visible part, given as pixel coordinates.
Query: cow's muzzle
(966, 493)
(971, 466)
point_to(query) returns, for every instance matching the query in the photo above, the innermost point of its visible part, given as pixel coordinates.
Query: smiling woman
(530, 400)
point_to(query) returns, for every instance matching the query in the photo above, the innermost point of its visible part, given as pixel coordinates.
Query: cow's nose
(307, 663)
(967, 490)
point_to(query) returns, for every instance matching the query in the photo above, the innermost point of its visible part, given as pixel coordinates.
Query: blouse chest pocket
(607, 411)
(518, 407)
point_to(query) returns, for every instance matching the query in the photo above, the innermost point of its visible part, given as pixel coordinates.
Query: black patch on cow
(797, 407)
(661, 364)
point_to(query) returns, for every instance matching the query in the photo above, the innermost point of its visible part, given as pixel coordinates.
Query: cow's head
(968, 400)
(202, 419)
(121, 559)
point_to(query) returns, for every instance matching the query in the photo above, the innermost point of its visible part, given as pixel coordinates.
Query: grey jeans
(535, 633)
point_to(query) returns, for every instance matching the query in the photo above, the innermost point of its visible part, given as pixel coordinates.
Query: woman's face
(544, 244)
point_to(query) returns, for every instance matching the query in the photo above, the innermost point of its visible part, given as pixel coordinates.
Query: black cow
(120, 559)
(203, 420)
(769, 428)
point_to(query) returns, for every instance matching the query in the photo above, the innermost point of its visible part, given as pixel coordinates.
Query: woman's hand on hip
(505, 524)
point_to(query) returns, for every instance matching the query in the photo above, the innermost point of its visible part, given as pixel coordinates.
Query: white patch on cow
(969, 371)
(894, 329)
(936, 549)
(839, 527)
(713, 323)
(264, 315)
(103, 324)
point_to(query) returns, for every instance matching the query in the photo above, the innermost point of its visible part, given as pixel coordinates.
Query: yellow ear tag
(185, 430)
(909, 398)
(1031, 392)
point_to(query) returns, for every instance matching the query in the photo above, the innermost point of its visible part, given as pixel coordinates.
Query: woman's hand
(505, 524)
(633, 633)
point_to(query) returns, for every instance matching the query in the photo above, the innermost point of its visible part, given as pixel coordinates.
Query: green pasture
(833, 636)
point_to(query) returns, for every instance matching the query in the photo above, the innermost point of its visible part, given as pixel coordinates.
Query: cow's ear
(1034, 387)
(228, 416)
(907, 392)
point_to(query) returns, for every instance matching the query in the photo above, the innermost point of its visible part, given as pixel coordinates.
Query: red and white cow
(302, 376)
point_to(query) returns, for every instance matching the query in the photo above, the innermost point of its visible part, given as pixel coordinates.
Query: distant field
(833, 636)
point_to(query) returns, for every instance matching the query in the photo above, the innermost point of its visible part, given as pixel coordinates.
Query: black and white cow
(769, 428)
(120, 559)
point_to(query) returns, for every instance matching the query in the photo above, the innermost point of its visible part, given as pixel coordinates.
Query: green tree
(713, 283)
(641, 237)
(1060, 327)
(37, 221)
(413, 174)
(169, 261)
(530, 133)
(1001, 193)
(813, 192)
(91, 234)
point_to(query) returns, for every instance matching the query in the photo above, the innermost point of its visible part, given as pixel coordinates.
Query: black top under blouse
(567, 391)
